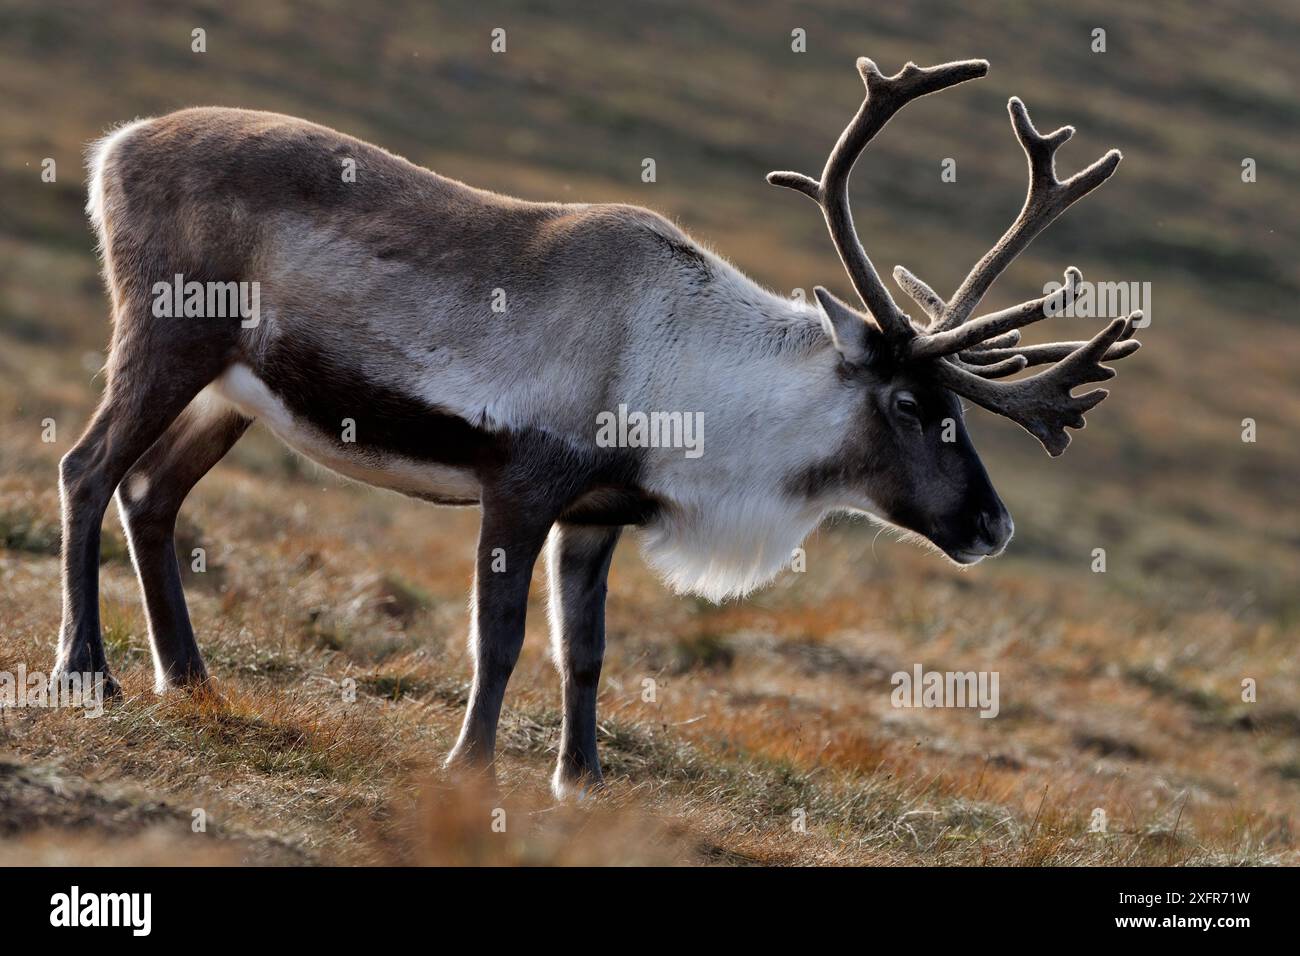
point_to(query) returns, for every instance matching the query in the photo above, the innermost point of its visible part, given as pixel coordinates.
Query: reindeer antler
(966, 353)
(886, 95)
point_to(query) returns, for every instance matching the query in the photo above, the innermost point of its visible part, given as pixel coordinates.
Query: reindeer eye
(906, 404)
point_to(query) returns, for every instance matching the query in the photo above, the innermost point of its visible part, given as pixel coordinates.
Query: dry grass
(763, 710)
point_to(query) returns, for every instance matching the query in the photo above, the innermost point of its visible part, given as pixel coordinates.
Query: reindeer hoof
(192, 680)
(576, 788)
(67, 679)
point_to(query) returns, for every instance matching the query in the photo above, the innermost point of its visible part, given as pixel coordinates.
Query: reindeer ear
(853, 333)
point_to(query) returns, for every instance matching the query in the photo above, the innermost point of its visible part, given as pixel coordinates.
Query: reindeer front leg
(509, 542)
(577, 565)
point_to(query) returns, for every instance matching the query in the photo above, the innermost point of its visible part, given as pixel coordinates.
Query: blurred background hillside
(1201, 530)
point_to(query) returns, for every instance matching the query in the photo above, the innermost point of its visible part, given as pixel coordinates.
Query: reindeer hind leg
(154, 371)
(149, 499)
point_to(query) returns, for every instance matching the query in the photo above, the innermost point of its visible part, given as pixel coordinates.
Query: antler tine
(1047, 198)
(997, 342)
(929, 301)
(990, 358)
(886, 95)
(1001, 368)
(969, 334)
(933, 306)
(1042, 404)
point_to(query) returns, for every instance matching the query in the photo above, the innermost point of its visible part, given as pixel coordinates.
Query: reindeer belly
(361, 447)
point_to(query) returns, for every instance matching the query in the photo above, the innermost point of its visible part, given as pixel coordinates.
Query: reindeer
(375, 311)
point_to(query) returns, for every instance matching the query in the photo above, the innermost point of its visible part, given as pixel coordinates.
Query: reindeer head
(914, 474)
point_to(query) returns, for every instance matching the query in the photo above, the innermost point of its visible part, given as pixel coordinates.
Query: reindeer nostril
(993, 528)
